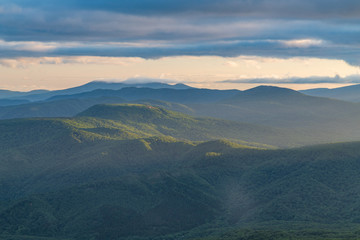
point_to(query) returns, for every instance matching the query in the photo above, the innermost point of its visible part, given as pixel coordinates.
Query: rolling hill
(92, 187)
(109, 120)
(349, 93)
(61, 108)
(285, 107)
(6, 94)
(308, 119)
(10, 102)
(192, 95)
(130, 133)
(40, 95)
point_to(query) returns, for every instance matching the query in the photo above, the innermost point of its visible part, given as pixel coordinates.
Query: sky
(52, 44)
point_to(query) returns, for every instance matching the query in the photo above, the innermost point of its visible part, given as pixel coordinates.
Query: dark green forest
(142, 172)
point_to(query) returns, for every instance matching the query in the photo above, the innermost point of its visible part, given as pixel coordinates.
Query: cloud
(231, 64)
(25, 62)
(295, 80)
(159, 28)
(136, 80)
(233, 48)
(302, 43)
(31, 46)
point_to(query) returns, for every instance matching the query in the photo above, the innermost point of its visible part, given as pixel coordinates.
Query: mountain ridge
(312, 119)
(347, 93)
(91, 86)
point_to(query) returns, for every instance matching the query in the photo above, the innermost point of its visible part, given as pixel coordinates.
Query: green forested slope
(138, 135)
(208, 190)
(306, 119)
(115, 174)
(159, 121)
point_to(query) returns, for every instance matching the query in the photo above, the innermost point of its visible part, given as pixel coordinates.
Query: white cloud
(302, 43)
(231, 64)
(26, 62)
(32, 46)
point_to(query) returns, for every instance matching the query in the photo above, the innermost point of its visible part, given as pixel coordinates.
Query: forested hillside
(142, 172)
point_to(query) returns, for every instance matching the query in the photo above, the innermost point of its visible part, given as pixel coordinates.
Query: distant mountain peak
(182, 85)
(266, 93)
(265, 89)
(153, 84)
(347, 93)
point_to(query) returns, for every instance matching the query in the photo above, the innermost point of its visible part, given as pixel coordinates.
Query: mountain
(161, 122)
(15, 94)
(267, 93)
(349, 93)
(309, 119)
(283, 107)
(192, 95)
(91, 86)
(168, 123)
(266, 105)
(277, 95)
(320, 119)
(61, 108)
(10, 102)
(107, 131)
(70, 105)
(84, 178)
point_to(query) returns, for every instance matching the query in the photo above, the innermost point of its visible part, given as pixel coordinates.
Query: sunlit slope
(159, 121)
(305, 119)
(127, 171)
(123, 135)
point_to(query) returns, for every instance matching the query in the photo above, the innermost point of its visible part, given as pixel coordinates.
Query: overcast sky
(207, 43)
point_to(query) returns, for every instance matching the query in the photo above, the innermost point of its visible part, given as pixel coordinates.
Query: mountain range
(115, 162)
(143, 172)
(40, 95)
(348, 93)
(314, 119)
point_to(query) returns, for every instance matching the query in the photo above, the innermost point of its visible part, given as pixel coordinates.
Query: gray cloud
(264, 48)
(309, 80)
(158, 28)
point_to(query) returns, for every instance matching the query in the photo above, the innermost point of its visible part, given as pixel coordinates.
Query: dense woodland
(141, 171)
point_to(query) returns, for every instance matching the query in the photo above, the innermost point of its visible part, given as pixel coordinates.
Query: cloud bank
(159, 28)
(295, 80)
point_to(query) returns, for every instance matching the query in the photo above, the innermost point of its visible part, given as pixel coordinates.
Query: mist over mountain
(14, 94)
(314, 119)
(94, 85)
(61, 108)
(193, 95)
(11, 102)
(285, 107)
(349, 93)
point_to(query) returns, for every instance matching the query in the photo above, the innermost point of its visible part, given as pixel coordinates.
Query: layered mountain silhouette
(313, 119)
(4, 94)
(40, 95)
(349, 93)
